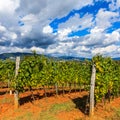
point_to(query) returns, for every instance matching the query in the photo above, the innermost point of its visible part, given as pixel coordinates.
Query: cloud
(47, 29)
(76, 23)
(98, 37)
(30, 19)
(26, 25)
(63, 34)
(105, 18)
(9, 6)
(2, 28)
(115, 5)
(37, 49)
(112, 38)
(105, 50)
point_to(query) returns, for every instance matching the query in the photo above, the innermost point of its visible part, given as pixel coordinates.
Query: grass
(116, 115)
(46, 115)
(66, 106)
(50, 114)
(6, 100)
(26, 116)
(56, 108)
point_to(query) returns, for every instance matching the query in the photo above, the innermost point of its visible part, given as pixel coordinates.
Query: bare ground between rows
(35, 107)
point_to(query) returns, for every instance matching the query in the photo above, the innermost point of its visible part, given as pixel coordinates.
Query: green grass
(66, 106)
(6, 100)
(46, 115)
(116, 115)
(25, 116)
(56, 108)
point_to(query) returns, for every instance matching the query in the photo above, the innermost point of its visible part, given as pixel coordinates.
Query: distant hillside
(13, 55)
(73, 58)
(116, 58)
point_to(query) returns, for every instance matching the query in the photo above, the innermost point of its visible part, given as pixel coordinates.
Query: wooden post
(17, 65)
(92, 87)
(16, 93)
(56, 88)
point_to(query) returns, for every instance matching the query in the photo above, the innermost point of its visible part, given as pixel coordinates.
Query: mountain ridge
(13, 55)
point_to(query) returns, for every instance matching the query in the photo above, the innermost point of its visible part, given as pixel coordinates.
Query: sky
(79, 28)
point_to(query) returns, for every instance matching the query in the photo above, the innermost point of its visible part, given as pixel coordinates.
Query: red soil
(8, 112)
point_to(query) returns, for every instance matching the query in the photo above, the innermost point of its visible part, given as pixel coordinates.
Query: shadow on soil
(32, 97)
(82, 104)
(2, 93)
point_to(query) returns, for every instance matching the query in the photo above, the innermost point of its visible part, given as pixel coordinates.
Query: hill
(14, 55)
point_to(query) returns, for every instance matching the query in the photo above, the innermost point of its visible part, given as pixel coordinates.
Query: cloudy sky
(80, 28)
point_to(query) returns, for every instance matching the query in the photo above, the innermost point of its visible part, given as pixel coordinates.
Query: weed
(56, 108)
(66, 106)
(116, 115)
(5, 100)
(46, 115)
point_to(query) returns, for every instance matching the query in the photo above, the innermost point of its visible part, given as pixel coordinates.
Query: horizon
(59, 57)
(61, 28)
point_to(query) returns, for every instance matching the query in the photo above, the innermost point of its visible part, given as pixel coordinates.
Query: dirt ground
(31, 109)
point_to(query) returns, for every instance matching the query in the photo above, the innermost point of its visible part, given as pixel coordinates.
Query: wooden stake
(16, 93)
(16, 99)
(92, 87)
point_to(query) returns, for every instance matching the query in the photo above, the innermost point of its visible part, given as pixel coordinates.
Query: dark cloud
(5, 43)
(42, 41)
(30, 6)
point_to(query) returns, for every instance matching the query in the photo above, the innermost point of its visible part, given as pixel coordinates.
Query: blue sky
(61, 28)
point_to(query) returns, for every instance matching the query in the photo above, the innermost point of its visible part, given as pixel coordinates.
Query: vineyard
(58, 77)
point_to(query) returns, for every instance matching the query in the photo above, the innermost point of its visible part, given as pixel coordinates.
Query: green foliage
(36, 71)
(7, 71)
(40, 71)
(107, 77)
(29, 72)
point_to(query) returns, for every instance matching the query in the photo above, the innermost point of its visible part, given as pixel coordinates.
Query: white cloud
(95, 37)
(76, 23)
(47, 29)
(63, 8)
(105, 50)
(56, 48)
(98, 37)
(82, 48)
(115, 4)
(25, 30)
(118, 3)
(104, 18)
(61, 48)
(16, 49)
(10, 49)
(2, 28)
(10, 35)
(30, 19)
(96, 30)
(37, 49)
(9, 6)
(112, 38)
(63, 33)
